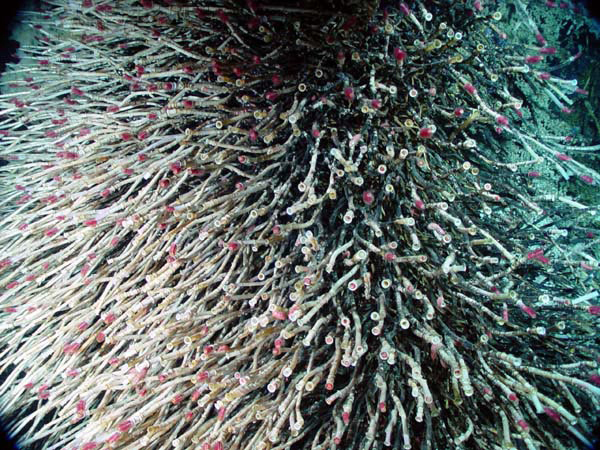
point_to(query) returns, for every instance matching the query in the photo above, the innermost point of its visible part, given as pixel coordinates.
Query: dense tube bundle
(261, 225)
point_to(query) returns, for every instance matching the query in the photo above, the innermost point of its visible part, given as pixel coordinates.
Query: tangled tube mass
(233, 225)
